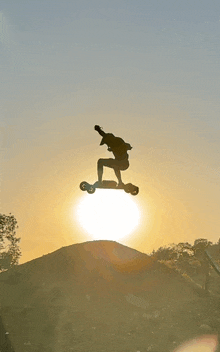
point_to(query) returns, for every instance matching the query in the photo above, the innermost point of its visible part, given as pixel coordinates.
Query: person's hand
(129, 147)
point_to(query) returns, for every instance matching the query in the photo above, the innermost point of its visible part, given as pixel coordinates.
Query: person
(119, 148)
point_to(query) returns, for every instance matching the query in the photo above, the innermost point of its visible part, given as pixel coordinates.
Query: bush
(9, 248)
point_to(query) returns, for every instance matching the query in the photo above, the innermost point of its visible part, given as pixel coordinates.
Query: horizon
(146, 72)
(114, 241)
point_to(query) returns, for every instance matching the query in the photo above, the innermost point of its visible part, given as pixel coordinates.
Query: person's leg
(118, 175)
(112, 163)
(100, 169)
(120, 165)
(116, 165)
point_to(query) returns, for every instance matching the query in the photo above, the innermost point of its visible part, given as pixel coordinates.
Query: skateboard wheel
(135, 191)
(127, 188)
(82, 186)
(91, 190)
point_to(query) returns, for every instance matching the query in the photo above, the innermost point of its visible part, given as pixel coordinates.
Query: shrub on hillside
(9, 248)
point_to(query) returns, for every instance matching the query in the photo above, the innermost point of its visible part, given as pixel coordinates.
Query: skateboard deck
(108, 184)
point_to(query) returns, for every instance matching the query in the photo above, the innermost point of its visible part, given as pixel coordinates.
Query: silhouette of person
(119, 148)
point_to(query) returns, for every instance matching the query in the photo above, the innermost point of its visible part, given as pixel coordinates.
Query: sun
(108, 214)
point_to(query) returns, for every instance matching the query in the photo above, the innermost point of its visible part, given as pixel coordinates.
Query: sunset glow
(145, 71)
(108, 214)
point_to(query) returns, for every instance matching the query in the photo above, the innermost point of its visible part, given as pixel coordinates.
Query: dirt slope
(102, 296)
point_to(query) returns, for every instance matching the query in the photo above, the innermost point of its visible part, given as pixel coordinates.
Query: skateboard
(107, 184)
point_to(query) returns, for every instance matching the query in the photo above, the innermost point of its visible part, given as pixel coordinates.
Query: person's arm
(99, 130)
(129, 147)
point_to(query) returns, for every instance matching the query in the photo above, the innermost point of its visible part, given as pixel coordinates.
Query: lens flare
(205, 343)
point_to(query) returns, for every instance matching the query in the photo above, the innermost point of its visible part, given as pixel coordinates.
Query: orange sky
(148, 76)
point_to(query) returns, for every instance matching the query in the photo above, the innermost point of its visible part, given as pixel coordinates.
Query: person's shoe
(97, 184)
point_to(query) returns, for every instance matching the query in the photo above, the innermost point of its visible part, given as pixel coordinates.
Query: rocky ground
(102, 296)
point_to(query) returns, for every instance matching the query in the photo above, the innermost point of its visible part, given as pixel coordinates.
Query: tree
(183, 250)
(199, 247)
(165, 253)
(9, 248)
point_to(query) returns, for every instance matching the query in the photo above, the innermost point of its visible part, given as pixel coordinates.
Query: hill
(102, 296)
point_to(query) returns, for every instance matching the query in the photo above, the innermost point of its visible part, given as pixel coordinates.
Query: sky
(147, 71)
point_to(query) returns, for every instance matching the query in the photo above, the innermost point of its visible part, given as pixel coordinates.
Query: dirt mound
(90, 255)
(101, 296)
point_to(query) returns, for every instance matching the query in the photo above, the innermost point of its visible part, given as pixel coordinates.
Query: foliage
(164, 253)
(191, 260)
(9, 248)
(183, 250)
(200, 245)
